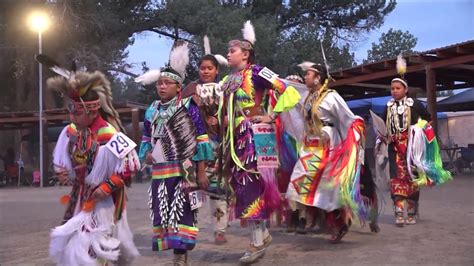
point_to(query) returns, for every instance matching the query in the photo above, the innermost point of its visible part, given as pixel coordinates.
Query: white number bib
(196, 199)
(268, 75)
(120, 145)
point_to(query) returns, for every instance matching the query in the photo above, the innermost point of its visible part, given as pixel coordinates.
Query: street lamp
(39, 23)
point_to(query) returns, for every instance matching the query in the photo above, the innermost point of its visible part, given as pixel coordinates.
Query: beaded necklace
(394, 111)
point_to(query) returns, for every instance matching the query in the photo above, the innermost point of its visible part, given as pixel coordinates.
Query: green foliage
(97, 33)
(391, 44)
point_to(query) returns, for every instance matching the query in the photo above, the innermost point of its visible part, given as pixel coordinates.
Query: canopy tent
(361, 107)
(377, 105)
(463, 101)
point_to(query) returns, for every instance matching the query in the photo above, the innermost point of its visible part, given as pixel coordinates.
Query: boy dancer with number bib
(173, 133)
(99, 160)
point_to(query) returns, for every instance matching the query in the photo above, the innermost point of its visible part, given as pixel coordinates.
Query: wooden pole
(136, 125)
(431, 95)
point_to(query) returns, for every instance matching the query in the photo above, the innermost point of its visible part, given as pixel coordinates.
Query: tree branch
(164, 33)
(123, 71)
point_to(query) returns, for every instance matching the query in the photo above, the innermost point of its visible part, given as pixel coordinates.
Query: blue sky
(436, 23)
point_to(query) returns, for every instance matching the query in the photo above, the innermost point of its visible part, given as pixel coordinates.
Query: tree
(97, 33)
(287, 31)
(391, 44)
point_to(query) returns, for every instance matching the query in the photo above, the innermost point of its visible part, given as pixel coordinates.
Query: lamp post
(39, 22)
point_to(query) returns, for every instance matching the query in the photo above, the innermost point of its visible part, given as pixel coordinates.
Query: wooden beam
(463, 66)
(421, 59)
(431, 95)
(464, 50)
(389, 65)
(445, 54)
(380, 86)
(366, 70)
(344, 74)
(410, 69)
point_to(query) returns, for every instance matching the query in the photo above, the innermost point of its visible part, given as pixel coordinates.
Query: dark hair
(322, 72)
(209, 57)
(251, 59)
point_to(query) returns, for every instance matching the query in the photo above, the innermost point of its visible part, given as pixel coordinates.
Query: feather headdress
(249, 39)
(401, 65)
(401, 70)
(207, 45)
(207, 51)
(176, 70)
(179, 59)
(53, 65)
(87, 91)
(248, 32)
(306, 65)
(149, 77)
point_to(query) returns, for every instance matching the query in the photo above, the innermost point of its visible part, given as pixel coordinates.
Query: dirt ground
(444, 234)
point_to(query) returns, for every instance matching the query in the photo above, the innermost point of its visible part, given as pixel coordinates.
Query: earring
(316, 81)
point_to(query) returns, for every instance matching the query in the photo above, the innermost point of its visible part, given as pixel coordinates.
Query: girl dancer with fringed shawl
(173, 134)
(412, 148)
(99, 161)
(331, 155)
(206, 92)
(251, 152)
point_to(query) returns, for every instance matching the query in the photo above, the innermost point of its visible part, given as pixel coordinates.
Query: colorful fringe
(166, 238)
(424, 154)
(346, 168)
(271, 194)
(167, 170)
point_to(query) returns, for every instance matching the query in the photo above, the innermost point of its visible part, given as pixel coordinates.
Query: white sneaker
(252, 255)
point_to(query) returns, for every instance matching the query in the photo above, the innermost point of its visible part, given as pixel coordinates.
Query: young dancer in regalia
(98, 160)
(174, 135)
(249, 139)
(413, 150)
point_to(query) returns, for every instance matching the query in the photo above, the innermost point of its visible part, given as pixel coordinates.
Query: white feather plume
(401, 65)
(207, 45)
(221, 59)
(149, 77)
(248, 32)
(179, 58)
(306, 65)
